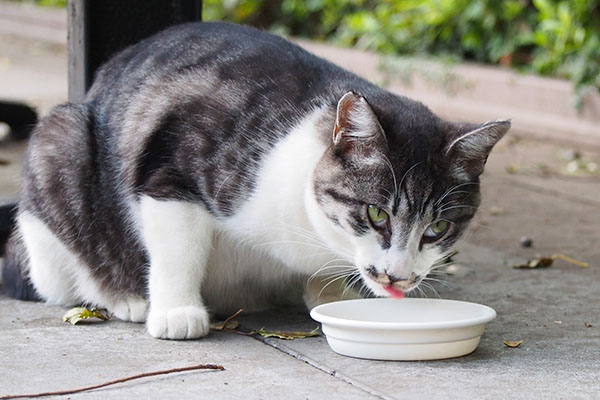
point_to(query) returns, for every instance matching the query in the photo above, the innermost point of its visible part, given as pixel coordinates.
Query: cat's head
(396, 189)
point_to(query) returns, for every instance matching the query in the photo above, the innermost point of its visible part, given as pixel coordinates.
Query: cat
(214, 164)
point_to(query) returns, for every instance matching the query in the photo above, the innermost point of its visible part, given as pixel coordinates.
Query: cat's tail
(15, 282)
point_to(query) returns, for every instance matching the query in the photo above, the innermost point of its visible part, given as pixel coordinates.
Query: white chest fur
(275, 220)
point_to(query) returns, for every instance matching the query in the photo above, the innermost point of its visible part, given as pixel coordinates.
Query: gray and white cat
(214, 165)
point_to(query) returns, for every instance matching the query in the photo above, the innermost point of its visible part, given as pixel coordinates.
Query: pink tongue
(394, 293)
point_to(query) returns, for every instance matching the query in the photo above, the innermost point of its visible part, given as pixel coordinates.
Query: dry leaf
(540, 262)
(513, 343)
(497, 211)
(222, 325)
(543, 262)
(568, 259)
(288, 335)
(228, 324)
(511, 168)
(77, 314)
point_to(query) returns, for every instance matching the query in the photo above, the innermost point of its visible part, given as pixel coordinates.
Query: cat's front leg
(179, 238)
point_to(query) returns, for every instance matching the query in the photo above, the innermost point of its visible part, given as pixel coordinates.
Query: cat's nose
(394, 278)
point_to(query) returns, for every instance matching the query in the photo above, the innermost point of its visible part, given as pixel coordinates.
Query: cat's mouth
(387, 284)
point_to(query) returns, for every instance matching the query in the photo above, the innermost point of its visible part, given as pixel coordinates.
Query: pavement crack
(277, 345)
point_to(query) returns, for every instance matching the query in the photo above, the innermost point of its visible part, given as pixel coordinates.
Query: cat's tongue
(394, 293)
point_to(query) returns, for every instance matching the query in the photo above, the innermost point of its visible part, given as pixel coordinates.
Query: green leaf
(78, 314)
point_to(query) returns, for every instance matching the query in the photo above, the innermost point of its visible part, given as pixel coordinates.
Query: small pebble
(569, 154)
(526, 241)
(496, 211)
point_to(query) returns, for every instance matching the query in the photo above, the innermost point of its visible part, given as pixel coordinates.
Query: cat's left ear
(356, 121)
(470, 149)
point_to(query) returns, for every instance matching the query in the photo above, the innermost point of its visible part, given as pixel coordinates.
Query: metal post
(98, 29)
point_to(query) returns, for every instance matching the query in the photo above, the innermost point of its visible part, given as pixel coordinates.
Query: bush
(550, 37)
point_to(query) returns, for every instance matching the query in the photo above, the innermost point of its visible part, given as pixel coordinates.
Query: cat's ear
(470, 148)
(355, 121)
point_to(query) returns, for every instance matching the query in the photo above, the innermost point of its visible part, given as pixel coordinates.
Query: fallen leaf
(228, 324)
(497, 211)
(513, 343)
(543, 262)
(222, 325)
(77, 314)
(559, 256)
(288, 335)
(512, 168)
(540, 262)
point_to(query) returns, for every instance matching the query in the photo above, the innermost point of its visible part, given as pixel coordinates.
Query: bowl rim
(488, 315)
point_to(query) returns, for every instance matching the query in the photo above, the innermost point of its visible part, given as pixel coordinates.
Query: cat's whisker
(365, 291)
(325, 266)
(318, 255)
(441, 282)
(450, 191)
(287, 227)
(451, 201)
(389, 165)
(326, 277)
(350, 285)
(430, 287)
(440, 266)
(223, 184)
(289, 242)
(306, 234)
(399, 188)
(420, 292)
(329, 283)
(454, 207)
(438, 274)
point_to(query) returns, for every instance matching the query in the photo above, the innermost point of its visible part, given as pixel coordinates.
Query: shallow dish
(407, 329)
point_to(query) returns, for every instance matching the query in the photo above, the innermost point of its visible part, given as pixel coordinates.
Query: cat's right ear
(355, 121)
(470, 148)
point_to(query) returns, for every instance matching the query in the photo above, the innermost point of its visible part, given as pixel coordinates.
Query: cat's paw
(189, 322)
(132, 309)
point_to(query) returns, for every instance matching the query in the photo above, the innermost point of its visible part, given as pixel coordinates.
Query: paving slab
(39, 353)
(558, 359)
(548, 309)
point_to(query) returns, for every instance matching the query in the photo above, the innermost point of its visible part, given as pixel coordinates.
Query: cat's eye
(377, 216)
(437, 229)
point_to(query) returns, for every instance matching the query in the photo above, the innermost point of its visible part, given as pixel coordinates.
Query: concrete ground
(529, 189)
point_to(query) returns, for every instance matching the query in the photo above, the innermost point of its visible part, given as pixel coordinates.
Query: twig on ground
(116, 381)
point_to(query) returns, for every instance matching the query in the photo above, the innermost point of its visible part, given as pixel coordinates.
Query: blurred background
(549, 37)
(534, 61)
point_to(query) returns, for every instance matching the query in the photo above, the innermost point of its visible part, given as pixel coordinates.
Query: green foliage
(550, 37)
(53, 3)
(44, 3)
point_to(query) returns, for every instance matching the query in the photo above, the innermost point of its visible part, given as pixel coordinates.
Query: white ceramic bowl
(407, 329)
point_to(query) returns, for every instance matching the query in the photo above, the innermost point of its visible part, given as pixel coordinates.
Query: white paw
(189, 322)
(130, 309)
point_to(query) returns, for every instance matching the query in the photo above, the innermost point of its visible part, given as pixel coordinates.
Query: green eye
(437, 229)
(377, 216)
